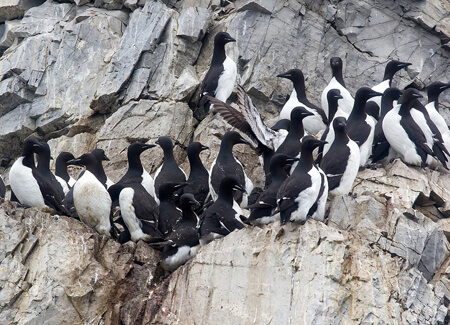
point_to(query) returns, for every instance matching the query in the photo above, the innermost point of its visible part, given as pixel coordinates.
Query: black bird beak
(284, 75)
(404, 64)
(230, 39)
(446, 86)
(243, 141)
(291, 160)
(204, 148)
(308, 114)
(51, 158)
(76, 162)
(195, 203)
(157, 142)
(105, 157)
(375, 93)
(416, 95)
(239, 188)
(338, 96)
(148, 146)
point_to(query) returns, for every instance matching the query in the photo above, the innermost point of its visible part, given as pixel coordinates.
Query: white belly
(345, 186)
(365, 149)
(307, 197)
(63, 183)
(227, 80)
(129, 216)
(25, 186)
(92, 202)
(346, 103)
(149, 184)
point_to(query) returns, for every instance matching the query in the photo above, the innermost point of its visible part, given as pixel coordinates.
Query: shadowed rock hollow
(86, 74)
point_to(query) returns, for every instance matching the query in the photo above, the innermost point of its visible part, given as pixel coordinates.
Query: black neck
(188, 214)
(387, 104)
(43, 162)
(219, 54)
(195, 162)
(226, 195)
(134, 163)
(28, 160)
(337, 73)
(278, 174)
(332, 109)
(61, 170)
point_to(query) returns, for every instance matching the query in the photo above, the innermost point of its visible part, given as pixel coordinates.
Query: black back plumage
(298, 181)
(135, 168)
(198, 177)
(291, 145)
(51, 189)
(169, 171)
(334, 163)
(226, 164)
(2, 188)
(380, 148)
(266, 202)
(169, 214)
(100, 174)
(220, 217)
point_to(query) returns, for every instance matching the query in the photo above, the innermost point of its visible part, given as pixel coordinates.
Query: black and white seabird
(169, 214)
(169, 171)
(434, 137)
(333, 97)
(261, 211)
(318, 120)
(61, 173)
(51, 189)
(136, 173)
(341, 162)
(360, 126)
(247, 119)
(222, 74)
(101, 156)
(183, 243)
(225, 165)
(219, 219)
(291, 145)
(403, 133)
(433, 92)
(381, 150)
(198, 180)
(138, 209)
(2, 187)
(337, 82)
(24, 185)
(304, 193)
(91, 199)
(390, 70)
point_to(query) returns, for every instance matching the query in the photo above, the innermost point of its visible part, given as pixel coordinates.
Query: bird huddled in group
(177, 214)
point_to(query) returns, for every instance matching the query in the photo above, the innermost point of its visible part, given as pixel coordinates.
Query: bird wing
(263, 133)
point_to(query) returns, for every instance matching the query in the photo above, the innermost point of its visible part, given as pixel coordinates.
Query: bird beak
(417, 95)
(284, 75)
(204, 148)
(375, 93)
(195, 203)
(404, 65)
(148, 146)
(338, 97)
(291, 160)
(157, 142)
(51, 158)
(243, 141)
(76, 162)
(308, 114)
(230, 39)
(239, 188)
(105, 158)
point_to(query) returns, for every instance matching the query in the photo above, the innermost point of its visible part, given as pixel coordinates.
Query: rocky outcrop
(83, 74)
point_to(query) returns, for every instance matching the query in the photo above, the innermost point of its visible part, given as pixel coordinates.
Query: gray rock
(152, 19)
(193, 23)
(7, 36)
(12, 9)
(13, 92)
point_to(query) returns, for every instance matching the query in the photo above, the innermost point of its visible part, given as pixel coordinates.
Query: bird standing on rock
(226, 165)
(341, 162)
(169, 171)
(304, 193)
(61, 173)
(337, 82)
(91, 199)
(221, 76)
(314, 123)
(219, 219)
(169, 214)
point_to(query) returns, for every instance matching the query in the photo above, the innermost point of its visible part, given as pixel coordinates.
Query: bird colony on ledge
(177, 213)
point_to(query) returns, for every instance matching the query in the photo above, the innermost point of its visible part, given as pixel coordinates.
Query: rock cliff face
(84, 74)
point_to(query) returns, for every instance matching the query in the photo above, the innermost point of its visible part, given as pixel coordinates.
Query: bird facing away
(341, 162)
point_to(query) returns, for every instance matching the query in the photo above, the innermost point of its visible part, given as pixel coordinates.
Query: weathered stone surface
(145, 121)
(12, 9)
(152, 19)
(56, 270)
(317, 273)
(193, 23)
(7, 36)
